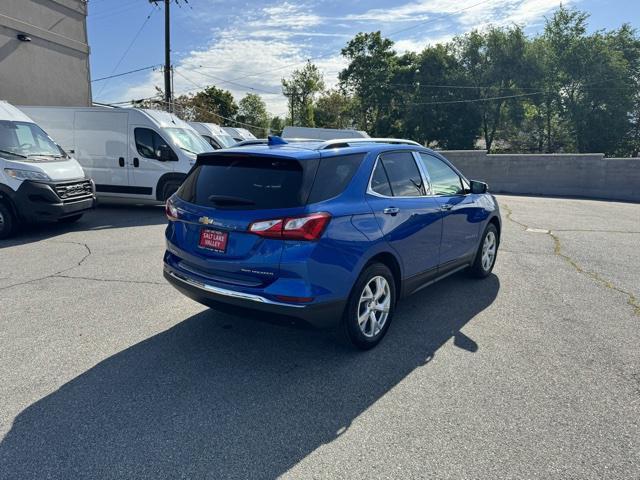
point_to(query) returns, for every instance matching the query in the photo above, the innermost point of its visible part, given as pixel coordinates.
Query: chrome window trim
(462, 178)
(372, 192)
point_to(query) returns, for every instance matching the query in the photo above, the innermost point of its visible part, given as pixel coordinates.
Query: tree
(593, 80)
(334, 109)
(277, 125)
(212, 104)
(494, 63)
(436, 113)
(301, 89)
(253, 111)
(372, 63)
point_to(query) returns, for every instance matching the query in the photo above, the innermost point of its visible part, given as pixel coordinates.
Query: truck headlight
(26, 174)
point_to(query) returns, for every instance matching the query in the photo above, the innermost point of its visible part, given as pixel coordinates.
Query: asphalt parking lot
(108, 372)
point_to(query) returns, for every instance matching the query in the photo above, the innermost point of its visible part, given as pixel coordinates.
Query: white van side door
(101, 148)
(152, 157)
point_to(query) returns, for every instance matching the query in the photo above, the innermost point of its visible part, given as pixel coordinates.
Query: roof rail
(348, 142)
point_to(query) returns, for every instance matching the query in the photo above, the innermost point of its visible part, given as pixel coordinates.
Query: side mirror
(478, 187)
(163, 153)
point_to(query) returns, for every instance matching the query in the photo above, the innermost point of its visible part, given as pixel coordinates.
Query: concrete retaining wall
(579, 175)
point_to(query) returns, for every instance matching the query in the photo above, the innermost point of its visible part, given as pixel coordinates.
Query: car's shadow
(219, 397)
(103, 217)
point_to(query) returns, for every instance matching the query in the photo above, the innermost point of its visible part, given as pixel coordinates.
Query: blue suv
(333, 233)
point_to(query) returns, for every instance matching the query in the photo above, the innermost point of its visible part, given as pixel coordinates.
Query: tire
(485, 260)
(71, 219)
(367, 334)
(7, 221)
(169, 189)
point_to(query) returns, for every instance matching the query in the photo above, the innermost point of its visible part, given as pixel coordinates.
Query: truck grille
(74, 190)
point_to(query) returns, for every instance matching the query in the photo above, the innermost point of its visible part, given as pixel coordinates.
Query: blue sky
(248, 46)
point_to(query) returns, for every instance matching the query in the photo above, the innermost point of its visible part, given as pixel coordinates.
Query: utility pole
(167, 53)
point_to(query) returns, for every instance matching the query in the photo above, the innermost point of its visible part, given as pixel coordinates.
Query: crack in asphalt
(557, 250)
(116, 280)
(595, 230)
(60, 273)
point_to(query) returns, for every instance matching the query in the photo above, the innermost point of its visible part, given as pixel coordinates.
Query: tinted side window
(212, 142)
(333, 176)
(444, 180)
(148, 143)
(403, 174)
(380, 182)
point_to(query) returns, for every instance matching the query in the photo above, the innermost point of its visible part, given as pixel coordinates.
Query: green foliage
(253, 111)
(334, 109)
(277, 125)
(367, 77)
(301, 90)
(211, 105)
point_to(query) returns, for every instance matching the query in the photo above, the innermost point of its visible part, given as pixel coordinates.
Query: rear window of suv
(247, 182)
(254, 182)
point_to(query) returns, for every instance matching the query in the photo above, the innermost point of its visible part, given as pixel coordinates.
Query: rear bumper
(38, 201)
(319, 315)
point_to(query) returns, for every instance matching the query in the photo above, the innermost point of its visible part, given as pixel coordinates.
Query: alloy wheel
(489, 248)
(374, 306)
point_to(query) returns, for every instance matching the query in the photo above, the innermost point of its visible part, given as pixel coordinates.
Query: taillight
(171, 211)
(307, 227)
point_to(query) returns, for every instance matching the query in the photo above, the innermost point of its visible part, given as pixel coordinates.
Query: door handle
(121, 161)
(136, 162)
(391, 210)
(446, 207)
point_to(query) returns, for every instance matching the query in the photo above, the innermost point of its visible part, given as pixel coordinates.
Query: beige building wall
(52, 68)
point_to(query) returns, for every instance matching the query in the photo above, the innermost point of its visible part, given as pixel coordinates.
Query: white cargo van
(132, 154)
(214, 135)
(239, 134)
(38, 180)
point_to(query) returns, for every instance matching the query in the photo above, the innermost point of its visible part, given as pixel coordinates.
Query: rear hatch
(221, 197)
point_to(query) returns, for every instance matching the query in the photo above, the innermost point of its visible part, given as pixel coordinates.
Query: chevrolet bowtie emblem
(206, 220)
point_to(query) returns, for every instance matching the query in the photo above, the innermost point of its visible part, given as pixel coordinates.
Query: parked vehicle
(321, 133)
(239, 134)
(330, 232)
(38, 180)
(132, 154)
(265, 141)
(214, 135)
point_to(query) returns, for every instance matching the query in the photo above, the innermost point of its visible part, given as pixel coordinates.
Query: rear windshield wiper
(229, 200)
(13, 153)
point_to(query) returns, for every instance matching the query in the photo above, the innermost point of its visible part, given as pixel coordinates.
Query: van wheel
(370, 307)
(71, 219)
(487, 253)
(7, 221)
(169, 189)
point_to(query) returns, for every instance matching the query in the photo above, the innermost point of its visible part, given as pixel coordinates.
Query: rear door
(461, 218)
(409, 219)
(220, 198)
(101, 149)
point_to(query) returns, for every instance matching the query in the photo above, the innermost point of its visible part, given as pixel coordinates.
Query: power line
(222, 80)
(473, 100)
(440, 17)
(125, 73)
(135, 37)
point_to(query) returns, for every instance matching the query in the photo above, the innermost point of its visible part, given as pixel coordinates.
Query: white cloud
(466, 14)
(414, 45)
